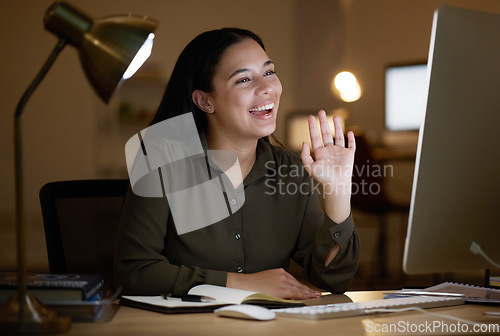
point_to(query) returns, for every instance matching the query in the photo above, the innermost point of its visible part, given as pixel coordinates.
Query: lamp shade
(107, 47)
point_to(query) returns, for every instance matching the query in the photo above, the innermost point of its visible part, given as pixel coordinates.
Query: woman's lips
(264, 111)
(262, 107)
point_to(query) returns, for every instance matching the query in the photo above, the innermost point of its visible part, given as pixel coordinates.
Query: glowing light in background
(346, 86)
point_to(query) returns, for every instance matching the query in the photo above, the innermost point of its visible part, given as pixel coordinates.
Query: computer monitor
(405, 96)
(456, 187)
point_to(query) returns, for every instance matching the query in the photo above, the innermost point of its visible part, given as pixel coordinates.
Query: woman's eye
(243, 80)
(270, 72)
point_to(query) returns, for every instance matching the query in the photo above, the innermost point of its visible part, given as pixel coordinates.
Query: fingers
(314, 134)
(339, 132)
(326, 133)
(294, 289)
(351, 140)
(299, 291)
(306, 157)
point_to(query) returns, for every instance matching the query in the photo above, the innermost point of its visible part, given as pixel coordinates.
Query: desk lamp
(111, 50)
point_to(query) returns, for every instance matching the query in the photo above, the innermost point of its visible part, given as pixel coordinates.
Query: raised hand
(332, 164)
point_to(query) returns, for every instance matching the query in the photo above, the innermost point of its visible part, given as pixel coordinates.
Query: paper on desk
(472, 294)
(469, 291)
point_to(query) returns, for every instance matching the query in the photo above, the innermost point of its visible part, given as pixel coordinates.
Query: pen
(188, 297)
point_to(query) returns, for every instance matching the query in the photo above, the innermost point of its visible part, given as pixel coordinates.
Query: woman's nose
(264, 86)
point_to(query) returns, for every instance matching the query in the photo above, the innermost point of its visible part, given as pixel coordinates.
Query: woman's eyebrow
(268, 63)
(245, 69)
(238, 72)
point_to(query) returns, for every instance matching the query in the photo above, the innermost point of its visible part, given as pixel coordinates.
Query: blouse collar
(264, 154)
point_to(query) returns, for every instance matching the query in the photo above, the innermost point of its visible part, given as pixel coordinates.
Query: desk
(131, 321)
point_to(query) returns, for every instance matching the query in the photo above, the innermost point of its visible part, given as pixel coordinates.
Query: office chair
(369, 195)
(80, 220)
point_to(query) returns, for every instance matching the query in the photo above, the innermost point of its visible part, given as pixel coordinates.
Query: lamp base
(35, 319)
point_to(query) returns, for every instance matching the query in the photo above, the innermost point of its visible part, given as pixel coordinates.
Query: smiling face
(246, 93)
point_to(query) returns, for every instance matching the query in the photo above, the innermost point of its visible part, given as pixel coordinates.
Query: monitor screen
(405, 96)
(456, 185)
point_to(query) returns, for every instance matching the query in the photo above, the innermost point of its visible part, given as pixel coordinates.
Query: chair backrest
(80, 220)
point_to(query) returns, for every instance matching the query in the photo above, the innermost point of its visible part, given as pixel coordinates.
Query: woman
(229, 83)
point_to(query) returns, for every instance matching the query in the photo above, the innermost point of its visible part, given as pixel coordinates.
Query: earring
(209, 109)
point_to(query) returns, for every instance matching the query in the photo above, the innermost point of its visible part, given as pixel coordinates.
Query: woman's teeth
(262, 108)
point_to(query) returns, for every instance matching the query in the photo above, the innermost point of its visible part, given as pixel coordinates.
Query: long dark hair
(195, 70)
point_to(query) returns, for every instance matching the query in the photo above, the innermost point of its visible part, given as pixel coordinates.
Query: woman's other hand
(276, 282)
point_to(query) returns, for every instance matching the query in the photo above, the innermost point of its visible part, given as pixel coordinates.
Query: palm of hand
(332, 165)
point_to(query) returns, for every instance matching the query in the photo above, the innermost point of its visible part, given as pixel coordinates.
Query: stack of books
(55, 287)
(78, 296)
(495, 281)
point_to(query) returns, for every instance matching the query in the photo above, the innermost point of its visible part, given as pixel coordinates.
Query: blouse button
(240, 269)
(237, 236)
(336, 234)
(233, 201)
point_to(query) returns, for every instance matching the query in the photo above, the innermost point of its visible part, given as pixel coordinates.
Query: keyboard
(330, 311)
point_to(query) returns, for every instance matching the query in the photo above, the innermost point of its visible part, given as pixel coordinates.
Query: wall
(383, 32)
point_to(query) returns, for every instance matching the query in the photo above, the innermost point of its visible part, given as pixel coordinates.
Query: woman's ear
(202, 100)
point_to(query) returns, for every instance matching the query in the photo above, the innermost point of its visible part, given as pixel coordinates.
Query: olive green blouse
(281, 218)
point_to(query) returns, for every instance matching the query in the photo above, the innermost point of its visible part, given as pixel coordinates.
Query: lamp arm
(29, 91)
(18, 153)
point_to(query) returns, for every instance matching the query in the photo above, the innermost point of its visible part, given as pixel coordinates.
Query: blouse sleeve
(140, 266)
(318, 236)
